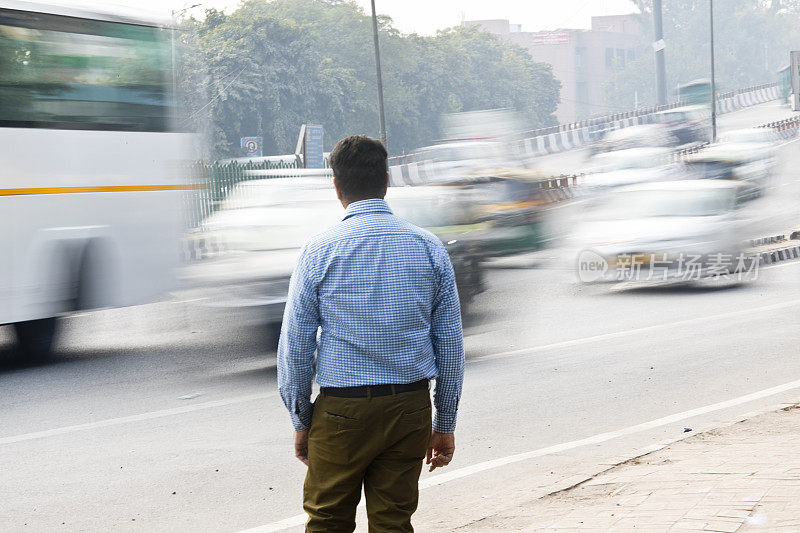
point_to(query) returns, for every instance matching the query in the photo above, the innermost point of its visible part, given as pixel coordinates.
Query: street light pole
(713, 81)
(658, 47)
(381, 116)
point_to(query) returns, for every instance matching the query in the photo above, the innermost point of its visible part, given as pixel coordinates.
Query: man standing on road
(383, 293)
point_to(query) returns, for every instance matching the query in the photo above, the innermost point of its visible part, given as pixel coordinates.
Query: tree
(271, 66)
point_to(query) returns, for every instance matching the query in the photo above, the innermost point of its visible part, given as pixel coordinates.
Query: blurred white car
(610, 170)
(658, 231)
(641, 136)
(744, 155)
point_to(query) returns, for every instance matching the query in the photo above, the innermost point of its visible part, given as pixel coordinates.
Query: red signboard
(550, 37)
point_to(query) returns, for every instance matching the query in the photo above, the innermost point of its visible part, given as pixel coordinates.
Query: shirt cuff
(298, 424)
(301, 417)
(444, 422)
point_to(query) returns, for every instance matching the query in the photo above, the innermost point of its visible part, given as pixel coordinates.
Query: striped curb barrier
(777, 256)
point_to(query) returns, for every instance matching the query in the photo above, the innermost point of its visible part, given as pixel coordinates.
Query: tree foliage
(270, 66)
(752, 40)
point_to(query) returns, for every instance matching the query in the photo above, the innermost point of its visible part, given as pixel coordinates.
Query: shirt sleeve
(298, 342)
(448, 348)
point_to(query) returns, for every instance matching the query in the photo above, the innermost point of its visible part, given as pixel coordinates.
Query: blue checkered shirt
(383, 293)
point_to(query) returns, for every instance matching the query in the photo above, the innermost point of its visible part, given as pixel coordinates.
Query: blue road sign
(314, 157)
(251, 146)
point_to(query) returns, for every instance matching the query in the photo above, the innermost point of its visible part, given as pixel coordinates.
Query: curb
(576, 481)
(658, 446)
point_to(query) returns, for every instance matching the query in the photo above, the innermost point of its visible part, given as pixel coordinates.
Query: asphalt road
(164, 418)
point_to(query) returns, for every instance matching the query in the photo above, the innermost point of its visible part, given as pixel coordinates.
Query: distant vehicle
(744, 155)
(90, 190)
(630, 158)
(452, 161)
(691, 124)
(641, 136)
(263, 224)
(660, 225)
(697, 92)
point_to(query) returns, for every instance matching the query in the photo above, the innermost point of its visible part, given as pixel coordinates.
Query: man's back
(377, 282)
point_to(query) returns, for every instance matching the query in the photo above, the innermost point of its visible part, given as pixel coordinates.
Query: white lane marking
(286, 523)
(135, 418)
(781, 145)
(784, 263)
(626, 333)
(446, 477)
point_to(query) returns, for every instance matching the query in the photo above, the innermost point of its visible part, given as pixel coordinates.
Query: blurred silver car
(657, 231)
(261, 227)
(744, 155)
(256, 237)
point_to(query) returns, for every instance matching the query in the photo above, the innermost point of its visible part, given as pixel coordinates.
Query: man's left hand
(301, 445)
(440, 450)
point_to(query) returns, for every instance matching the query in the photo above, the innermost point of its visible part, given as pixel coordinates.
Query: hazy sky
(426, 16)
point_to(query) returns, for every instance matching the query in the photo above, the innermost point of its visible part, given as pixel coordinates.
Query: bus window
(70, 73)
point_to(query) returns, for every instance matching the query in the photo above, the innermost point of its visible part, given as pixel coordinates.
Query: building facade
(584, 61)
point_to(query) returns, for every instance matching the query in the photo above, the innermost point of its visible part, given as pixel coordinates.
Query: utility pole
(381, 116)
(713, 81)
(658, 47)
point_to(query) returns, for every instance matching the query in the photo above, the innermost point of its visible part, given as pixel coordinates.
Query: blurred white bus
(90, 180)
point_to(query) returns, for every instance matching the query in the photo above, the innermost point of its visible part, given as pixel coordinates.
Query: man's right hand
(440, 450)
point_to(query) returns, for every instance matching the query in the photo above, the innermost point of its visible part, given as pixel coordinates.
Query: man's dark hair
(359, 167)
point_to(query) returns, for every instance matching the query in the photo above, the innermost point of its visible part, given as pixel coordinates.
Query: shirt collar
(372, 205)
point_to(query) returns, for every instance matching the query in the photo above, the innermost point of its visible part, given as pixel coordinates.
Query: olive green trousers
(378, 443)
